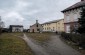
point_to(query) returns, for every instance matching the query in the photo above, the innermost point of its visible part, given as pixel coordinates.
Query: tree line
(1, 25)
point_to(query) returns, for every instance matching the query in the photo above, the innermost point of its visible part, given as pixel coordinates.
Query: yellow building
(53, 26)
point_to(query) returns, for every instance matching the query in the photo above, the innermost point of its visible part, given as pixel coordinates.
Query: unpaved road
(57, 47)
(54, 47)
(38, 50)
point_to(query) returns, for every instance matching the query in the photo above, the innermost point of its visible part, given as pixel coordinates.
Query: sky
(26, 12)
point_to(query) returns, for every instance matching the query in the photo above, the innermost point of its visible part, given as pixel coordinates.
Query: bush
(82, 42)
(76, 38)
(65, 36)
(0, 31)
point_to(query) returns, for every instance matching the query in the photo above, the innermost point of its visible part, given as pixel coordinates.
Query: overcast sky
(25, 12)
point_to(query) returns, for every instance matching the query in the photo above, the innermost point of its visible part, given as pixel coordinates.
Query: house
(5, 29)
(71, 15)
(36, 27)
(16, 28)
(1, 23)
(53, 26)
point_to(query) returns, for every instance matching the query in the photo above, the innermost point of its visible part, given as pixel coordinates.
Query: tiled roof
(54, 21)
(77, 5)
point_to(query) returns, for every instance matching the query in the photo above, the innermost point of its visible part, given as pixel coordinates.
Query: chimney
(82, 0)
(36, 21)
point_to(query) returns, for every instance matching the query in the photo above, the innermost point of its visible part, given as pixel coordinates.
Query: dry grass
(12, 45)
(40, 37)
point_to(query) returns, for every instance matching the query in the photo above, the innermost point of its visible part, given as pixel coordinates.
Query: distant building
(36, 27)
(53, 26)
(5, 29)
(71, 15)
(1, 23)
(26, 30)
(16, 28)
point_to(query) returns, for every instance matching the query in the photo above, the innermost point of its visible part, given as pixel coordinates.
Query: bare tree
(1, 25)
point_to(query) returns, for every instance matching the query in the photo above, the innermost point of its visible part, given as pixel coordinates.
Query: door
(33, 30)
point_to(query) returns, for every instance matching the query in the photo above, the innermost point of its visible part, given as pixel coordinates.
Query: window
(76, 26)
(37, 25)
(49, 28)
(68, 19)
(53, 28)
(75, 17)
(38, 29)
(45, 28)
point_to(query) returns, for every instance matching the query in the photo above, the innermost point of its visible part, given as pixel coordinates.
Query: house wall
(34, 28)
(14, 29)
(53, 27)
(46, 27)
(49, 27)
(60, 26)
(70, 18)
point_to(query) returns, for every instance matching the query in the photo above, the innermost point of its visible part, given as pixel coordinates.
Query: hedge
(76, 38)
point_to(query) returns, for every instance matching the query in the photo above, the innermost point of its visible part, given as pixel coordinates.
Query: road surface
(53, 47)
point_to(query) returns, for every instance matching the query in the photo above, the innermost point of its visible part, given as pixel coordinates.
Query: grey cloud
(7, 4)
(27, 11)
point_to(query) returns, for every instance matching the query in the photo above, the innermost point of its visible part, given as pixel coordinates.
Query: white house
(16, 28)
(71, 15)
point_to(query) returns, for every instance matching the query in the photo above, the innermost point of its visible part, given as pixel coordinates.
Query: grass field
(10, 44)
(40, 37)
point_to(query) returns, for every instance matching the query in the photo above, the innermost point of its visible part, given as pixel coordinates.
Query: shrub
(76, 38)
(82, 42)
(65, 36)
(0, 31)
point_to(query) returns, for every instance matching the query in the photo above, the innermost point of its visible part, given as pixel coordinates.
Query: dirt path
(38, 50)
(54, 47)
(57, 47)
